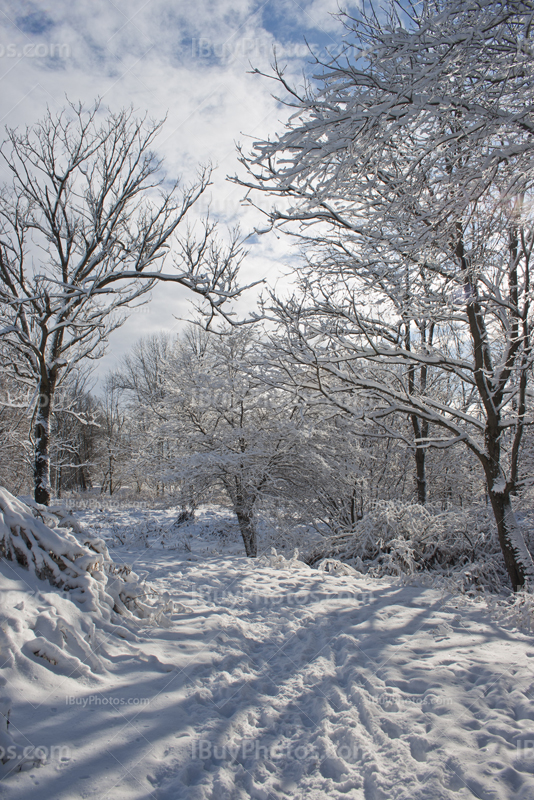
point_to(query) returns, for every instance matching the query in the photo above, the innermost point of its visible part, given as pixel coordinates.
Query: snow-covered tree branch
(407, 175)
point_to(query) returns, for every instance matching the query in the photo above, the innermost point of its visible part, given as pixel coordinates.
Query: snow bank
(61, 609)
(51, 555)
(82, 568)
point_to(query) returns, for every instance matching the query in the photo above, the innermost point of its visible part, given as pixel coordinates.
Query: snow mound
(275, 560)
(66, 596)
(335, 567)
(82, 568)
(50, 555)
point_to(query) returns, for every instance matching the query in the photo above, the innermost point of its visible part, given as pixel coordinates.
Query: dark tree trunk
(248, 531)
(420, 429)
(420, 426)
(58, 482)
(420, 475)
(243, 504)
(110, 476)
(82, 483)
(41, 468)
(516, 556)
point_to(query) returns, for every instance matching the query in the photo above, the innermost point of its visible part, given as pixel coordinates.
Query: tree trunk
(420, 426)
(82, 483)
(420, 429)
(248, 531)
(516, 555)
(41, 467)
(420, 475)
(243, 505)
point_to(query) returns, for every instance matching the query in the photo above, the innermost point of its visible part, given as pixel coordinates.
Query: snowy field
(267, 680)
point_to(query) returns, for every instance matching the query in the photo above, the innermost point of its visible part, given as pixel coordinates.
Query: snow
(271, 680)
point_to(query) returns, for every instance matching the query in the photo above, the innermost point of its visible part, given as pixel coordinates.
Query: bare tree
(86, 225)
(408, 171)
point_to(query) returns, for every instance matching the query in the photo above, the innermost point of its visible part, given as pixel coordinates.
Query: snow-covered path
(279, 684)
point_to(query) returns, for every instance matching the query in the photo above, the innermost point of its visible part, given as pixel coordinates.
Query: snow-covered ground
(267, 682)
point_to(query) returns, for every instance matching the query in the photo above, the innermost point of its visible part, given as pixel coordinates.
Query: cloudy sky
(188, 60)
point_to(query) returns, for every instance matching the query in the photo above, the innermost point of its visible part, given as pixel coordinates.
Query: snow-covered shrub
(334, 567)
(524, 510)
(80, 565)
(275, 560)
(398, 538)
(52, 555)
(141, 527)
(517, 610)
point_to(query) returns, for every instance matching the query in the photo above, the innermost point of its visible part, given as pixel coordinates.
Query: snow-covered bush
(53, 555)
(333, 566)
(160, 528)
(274, 560)
(80, 565)
(516, 611)
(281, 525)
(397, 538)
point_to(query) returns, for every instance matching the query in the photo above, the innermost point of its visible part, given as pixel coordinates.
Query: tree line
(196, 418)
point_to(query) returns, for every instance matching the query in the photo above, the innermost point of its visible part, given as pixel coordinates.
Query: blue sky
(189, 61)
